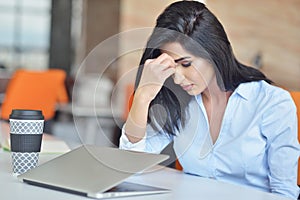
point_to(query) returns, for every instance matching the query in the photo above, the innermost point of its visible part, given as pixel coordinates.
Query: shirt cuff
(127, 145)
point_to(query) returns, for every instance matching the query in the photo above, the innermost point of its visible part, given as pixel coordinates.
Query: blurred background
(61, 34)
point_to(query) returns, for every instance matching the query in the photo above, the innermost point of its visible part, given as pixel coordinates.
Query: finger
(161, 63)
(160, 67)
(163, 57)
(166, 64)
(159, 59)
(148, 61)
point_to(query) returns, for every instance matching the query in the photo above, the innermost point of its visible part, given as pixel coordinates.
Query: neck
(214, 95)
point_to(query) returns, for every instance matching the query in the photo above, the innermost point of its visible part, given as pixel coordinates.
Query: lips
(187, 87)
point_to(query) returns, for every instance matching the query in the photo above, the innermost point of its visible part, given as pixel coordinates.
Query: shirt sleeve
(280, 129)
(127, 145)
(153, 142)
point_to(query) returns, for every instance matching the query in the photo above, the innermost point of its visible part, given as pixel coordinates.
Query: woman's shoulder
(264, 88)
(261, 91)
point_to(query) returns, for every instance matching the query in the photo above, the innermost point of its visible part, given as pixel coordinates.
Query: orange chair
(296, 96)
(129, 92)
(40, 90)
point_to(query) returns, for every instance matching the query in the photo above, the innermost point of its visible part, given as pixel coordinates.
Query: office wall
(136, 22)
(270, 28)
(100, 20)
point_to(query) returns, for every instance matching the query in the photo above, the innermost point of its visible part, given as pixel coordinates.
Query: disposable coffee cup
(26, 132)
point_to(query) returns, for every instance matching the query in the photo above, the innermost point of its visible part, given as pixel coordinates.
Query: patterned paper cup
(26, 131)
(22, 162)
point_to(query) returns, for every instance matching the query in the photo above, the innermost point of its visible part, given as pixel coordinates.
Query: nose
(178, 77)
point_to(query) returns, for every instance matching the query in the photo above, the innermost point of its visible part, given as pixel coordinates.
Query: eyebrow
(180, 59)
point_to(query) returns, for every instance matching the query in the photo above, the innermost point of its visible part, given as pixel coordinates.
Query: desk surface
(182, 186)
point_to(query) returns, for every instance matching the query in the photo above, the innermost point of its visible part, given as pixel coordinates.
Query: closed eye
(186, 64)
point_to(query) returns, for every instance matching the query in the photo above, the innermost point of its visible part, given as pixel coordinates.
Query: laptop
(96, 172)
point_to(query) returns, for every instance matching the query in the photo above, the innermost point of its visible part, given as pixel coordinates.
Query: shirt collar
(244, 90)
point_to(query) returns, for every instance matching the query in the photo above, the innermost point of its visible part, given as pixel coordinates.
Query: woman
(226, 120)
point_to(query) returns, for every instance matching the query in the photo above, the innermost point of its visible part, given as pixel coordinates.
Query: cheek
(199, 82)
(200, 78)
(204, 70)
(210, 75)
(206, 75)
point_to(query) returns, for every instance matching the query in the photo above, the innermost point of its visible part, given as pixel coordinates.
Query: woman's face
(193, 74)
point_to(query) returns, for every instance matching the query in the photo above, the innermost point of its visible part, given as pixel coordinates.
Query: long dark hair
(192, 25)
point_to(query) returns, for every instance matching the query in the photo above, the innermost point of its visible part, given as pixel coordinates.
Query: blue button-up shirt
(257, 145)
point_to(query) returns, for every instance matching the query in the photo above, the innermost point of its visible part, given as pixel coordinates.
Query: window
(24, 33)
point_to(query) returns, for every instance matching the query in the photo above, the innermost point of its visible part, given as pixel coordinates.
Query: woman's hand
(155, 72)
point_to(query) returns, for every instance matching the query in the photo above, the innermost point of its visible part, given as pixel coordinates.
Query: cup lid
(26, 114)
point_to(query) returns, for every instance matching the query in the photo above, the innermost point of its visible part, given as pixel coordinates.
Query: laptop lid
(95, 171)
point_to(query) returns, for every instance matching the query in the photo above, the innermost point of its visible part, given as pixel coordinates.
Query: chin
(192, 92)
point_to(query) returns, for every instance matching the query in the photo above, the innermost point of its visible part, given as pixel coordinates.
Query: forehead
(175, 50)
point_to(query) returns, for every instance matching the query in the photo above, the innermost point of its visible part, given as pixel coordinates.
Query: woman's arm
(280, 129)
(135, 126)
(155, 72)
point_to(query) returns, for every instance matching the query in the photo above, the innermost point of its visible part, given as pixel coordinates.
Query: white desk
(182, 186)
